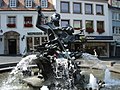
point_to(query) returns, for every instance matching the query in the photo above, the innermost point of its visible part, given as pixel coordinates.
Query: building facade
(92, 16)
(18, 32)
(114, 24)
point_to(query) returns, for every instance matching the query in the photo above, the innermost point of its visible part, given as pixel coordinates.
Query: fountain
(108, 79)
(93, 82)
(57, 66)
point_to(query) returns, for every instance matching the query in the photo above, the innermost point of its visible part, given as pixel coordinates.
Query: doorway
(12, 46)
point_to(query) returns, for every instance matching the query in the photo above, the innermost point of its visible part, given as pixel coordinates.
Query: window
(101, 48)
(44, 20)
(1, 3)
(11, 21)
(28, 3)
(89, 26)
(114, 16)
(77, 24)
(88, 9)
(99, 9)
(77, 7)
(29, 44)
(65, 7)
(44, 3)
(44, 39)
(28, 22)
(100, 27)
(32, 42)
(12, 3)
(116, 30)
(64, 23)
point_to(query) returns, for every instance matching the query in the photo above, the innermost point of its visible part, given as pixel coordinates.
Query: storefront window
(33, 42)
(29, 44)
(44, 39)
(101, 48)
(36, 40)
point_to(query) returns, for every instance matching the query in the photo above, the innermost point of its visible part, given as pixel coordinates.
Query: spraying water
(13, 80)
(92, 60)
(23, 64)
(109, 81)
(93, 82)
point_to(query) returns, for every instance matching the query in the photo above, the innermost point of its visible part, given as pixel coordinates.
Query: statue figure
(55, 57)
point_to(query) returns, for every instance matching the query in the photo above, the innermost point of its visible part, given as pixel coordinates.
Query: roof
(21, 6)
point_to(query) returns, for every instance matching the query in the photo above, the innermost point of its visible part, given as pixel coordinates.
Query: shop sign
(99, 37)
(34, 33)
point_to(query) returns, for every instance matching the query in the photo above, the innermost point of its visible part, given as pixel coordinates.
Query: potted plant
(89, 30)
(100, 30)
(28, 25)
(11, 25)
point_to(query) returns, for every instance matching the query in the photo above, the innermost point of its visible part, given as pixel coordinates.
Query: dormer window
(28, 3)
(12, 3)
(44, 3)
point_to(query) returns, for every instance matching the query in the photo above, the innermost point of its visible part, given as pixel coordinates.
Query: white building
(92, 15)
(18, 30)
(19, 33)
(114, 24)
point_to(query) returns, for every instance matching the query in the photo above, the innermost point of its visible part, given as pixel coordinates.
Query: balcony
(11, 25)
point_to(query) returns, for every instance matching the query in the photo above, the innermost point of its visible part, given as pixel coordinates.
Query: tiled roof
(21, 6)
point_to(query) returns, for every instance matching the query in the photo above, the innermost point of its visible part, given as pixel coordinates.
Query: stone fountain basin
(83, 65)
(36, 82)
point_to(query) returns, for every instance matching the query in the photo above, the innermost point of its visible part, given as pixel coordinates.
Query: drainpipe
(114, 51)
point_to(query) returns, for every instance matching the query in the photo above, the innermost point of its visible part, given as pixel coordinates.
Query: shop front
(33, 39)
(117, 52)
(102, 45)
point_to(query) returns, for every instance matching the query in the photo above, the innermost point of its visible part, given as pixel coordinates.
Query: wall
(84, 17)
